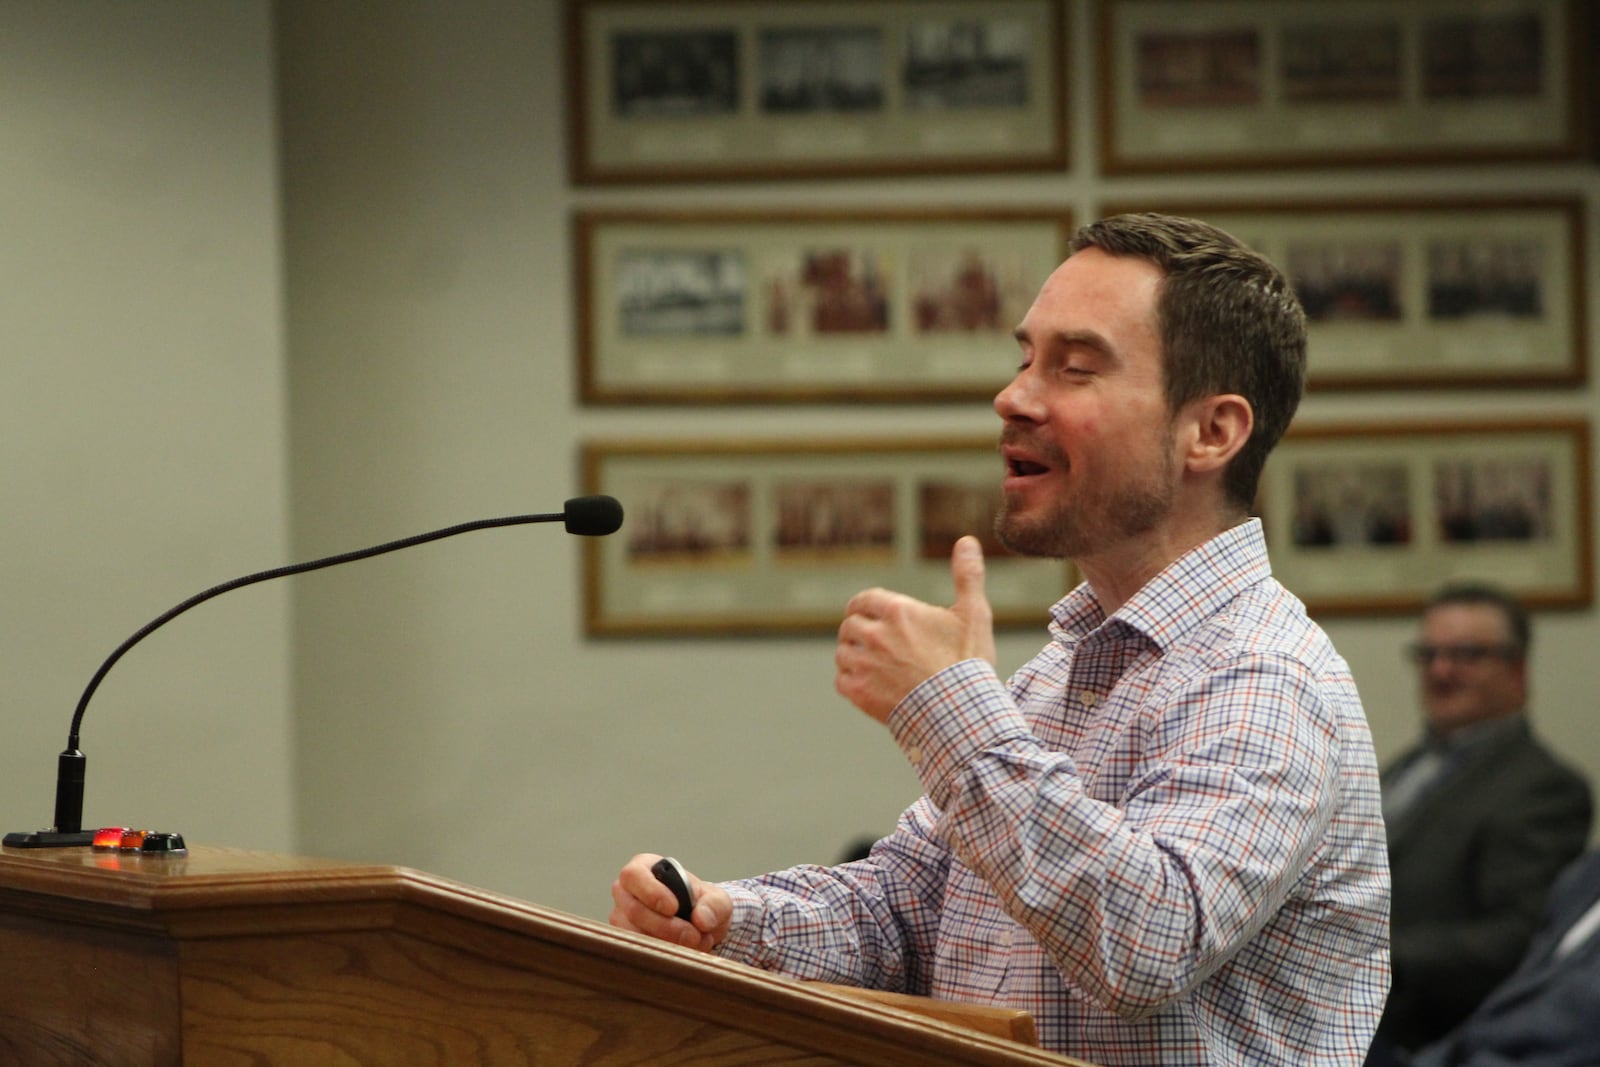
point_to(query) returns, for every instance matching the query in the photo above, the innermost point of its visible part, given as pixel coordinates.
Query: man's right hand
(639, 902)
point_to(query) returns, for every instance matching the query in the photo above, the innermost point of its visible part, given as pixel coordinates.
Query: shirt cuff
(743, 940)
(950, 719)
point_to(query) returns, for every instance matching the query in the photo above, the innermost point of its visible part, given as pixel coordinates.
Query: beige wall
(447, 712)
(144, 414)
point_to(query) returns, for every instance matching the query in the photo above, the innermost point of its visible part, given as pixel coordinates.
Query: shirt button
(914, 754)
(1088, 699)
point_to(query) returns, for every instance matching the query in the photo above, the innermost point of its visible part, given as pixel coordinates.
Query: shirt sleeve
(868, 923)
(1137, 897)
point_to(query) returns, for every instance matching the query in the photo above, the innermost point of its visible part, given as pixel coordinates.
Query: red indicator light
(127, 839)
(109, 837)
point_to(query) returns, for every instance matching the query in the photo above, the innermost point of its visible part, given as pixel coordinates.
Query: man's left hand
(889, 643)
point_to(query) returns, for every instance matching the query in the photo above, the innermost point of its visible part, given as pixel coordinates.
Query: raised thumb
(966, 571)
(972, 605)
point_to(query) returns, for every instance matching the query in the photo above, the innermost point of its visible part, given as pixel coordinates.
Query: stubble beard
(1095, 520)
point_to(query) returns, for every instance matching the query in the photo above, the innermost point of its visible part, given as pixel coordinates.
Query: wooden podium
(221, 957)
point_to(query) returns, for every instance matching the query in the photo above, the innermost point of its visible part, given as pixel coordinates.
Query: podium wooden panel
(222, 957)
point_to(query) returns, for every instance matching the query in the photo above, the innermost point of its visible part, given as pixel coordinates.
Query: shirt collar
(1188, 591)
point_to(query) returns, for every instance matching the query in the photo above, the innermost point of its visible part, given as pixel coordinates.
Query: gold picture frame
(746, 536)
(1442, 293)
(719, 307)
(706, 90)
(1254, 84)
(1371, 519)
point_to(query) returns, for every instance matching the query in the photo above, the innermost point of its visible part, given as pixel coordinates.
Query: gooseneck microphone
(587, 516)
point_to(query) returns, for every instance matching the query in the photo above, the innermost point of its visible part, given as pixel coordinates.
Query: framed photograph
(741, 536)
(1236, 84)
(1430, 293)
(673, 90)
(815, 306)
(1372, 519)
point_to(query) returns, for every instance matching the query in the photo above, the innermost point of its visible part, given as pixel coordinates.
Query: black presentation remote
(670, 873)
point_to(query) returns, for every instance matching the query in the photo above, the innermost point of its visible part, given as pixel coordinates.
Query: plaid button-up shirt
(1163, 837)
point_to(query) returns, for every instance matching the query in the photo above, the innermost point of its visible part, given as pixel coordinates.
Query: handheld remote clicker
(670, 873)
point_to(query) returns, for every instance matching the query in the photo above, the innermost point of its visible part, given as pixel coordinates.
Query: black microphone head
(593, 516)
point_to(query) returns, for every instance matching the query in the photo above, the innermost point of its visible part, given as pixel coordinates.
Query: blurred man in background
(1481, 817)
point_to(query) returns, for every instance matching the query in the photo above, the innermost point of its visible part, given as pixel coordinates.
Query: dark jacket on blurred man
(1547, 1014)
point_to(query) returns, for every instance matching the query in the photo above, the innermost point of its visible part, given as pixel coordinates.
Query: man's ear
(1218, 427)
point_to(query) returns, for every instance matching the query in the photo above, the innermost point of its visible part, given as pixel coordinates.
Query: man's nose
(1438, 666)
(1018, 400)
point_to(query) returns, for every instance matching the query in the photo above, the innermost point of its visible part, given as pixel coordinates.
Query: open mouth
(1021, 463)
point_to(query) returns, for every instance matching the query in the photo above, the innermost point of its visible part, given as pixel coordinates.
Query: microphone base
(50, 839)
